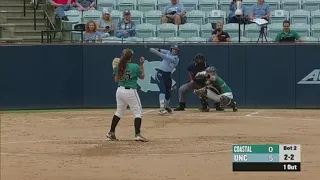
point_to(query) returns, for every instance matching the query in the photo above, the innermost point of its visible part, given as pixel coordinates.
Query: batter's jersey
(130, 77)
(224, 87)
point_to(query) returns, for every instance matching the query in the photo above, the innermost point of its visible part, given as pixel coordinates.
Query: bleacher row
(200, 15)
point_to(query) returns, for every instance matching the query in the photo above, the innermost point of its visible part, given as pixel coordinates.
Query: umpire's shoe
(180, 107)
(112, 136)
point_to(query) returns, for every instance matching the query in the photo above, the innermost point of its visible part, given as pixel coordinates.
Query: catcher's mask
(199, 59)
(176, 49)
(211, 69)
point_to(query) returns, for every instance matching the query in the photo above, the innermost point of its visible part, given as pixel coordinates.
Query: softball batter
(126, 75)
(170, 60)
(212, 80)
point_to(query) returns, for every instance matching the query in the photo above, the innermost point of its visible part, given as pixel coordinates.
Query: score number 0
(270, 149)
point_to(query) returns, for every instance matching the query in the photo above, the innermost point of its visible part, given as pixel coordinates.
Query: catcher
(210, 91)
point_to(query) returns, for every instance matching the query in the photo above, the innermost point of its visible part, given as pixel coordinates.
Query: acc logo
(312, 78)
(150, 74)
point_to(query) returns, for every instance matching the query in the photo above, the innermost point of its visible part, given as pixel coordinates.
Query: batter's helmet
(211, 69)
(175, 46)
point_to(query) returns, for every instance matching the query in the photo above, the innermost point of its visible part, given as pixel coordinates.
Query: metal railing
(35, 7)
(50, 32)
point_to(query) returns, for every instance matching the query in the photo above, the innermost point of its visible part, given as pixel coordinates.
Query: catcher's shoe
(163, 112)
(168, 109)
(234, 106)
(112, 136)
(218, 107)
(138, 137)
(204, 109)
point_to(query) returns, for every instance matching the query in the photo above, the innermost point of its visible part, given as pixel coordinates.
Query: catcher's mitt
(115, 62)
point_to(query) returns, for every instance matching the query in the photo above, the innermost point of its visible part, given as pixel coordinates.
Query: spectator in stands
(85, 5)
(174, 13)
(106, 24)
(126, 28)
(62, 6)
(288, 35)
(232, 16)
(218, 35)
(91, 34)
(260, 10)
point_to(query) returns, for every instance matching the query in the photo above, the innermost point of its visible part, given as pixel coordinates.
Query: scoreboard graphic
(266, 157)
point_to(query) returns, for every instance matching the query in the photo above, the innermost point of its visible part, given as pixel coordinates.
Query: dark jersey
(194, 69)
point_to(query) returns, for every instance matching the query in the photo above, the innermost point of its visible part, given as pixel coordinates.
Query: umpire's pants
(184, 89)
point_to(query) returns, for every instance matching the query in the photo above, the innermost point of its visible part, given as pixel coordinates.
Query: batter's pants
(165, 83)
(128, 96)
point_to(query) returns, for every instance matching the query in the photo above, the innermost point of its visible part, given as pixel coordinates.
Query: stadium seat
(208, 5)
(224, 6)
(248, 4)
(278, 16)
(110, 4)
(146, 30)
(315, 30)
(302, 29)
(315, 17)
(233, 29)
(162, 4)
(175, 39)
(242, 40)
(196, 17)
(126, 5)
(116, 16)
(73, 15)
(252, 31)
(310, 39)
(206, 30)
(189, 30)
(154, 40)
(273, 4)
(189, 4)
(291, 5)
(300, 16)
(137, 16)
(91, 15)
(167, 30)
(216, 16)
(134, 40)
(153, 17)
(146, 5)
(112, 40)
(310, 5)
(274, 29)
(196, 39)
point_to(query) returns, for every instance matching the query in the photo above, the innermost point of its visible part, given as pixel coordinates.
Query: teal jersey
(224, 87)
(130, 77)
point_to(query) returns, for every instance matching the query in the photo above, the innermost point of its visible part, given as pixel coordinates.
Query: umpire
(199, 64)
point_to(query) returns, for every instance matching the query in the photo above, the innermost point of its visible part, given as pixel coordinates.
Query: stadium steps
(16, 20)
(19, 13)
(18, 6)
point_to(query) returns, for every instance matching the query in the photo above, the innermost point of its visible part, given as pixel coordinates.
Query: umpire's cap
(199, 58)
(211, 69)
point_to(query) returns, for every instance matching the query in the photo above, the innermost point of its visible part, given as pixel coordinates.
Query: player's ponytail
(125, 58)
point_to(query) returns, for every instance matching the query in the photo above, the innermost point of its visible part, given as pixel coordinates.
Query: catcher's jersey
(224, 87)
(129, 79)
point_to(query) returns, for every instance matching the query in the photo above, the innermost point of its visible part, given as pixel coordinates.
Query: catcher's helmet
(199, 58)
(211, 69)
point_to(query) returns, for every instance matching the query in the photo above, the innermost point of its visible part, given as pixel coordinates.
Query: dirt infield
(70, 145)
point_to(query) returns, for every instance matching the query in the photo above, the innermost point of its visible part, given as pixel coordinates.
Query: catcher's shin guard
(234, 106)
(204, 103)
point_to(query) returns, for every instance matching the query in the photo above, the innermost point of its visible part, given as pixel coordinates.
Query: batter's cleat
(163, 112)
(112, 136)
(169, 110)
(138, 137)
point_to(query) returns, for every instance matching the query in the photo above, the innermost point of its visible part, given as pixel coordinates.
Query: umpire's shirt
(194, 68)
